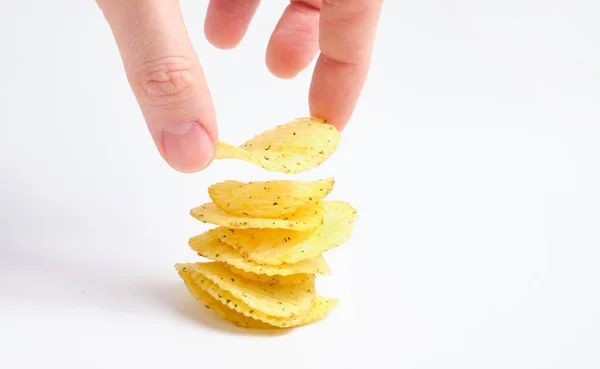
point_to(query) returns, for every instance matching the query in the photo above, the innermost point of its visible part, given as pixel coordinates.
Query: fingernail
(188, 147)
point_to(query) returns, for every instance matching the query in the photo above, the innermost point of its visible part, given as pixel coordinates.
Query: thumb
(166, 78)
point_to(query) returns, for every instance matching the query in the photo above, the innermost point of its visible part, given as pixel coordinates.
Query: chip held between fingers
(295, 147)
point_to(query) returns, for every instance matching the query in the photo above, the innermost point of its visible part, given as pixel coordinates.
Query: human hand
(167, 79)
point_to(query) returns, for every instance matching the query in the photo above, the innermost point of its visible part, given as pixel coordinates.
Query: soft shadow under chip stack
(267, 246)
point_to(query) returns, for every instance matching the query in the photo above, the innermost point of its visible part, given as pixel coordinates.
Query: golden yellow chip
(294, 147)
(279, 300)
(208, 245)
(238, 305)
(236, 311)
(301, 135)
(308, 280)
(269, 199)
(279, 246)
(306, 218)
(321, 307)
(220, 309)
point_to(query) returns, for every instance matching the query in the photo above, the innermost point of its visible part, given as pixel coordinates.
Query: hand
(167, 79)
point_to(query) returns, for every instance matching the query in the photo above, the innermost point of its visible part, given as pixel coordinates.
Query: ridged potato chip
(236, 311)
(301, 135)
(273, 161)
(209, 246)
(307, 280)
(268, 199)
(306, 218)
(279, 300)
(321, 307)
(294, 147)
(219, 308)
(279, 246)
(239, 305)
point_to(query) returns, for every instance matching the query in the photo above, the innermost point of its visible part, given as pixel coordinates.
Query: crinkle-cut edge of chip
(319, 266)
(350, 217)
(293, 163)
(306, 119)
(306, 193)
(269, 159)
(299, 237)
(272, 280)
(221, 310)
(294, 253)
(236, 304)
(322, 306)
(297, 302)
(199, 213)
(299, 123)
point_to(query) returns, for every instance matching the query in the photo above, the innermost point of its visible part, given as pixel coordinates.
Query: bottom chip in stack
(249, 303)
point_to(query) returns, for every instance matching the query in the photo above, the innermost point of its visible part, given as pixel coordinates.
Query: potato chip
(208, 245)
(238, 305)
(306, 218)
(279, 300)
(301, 135)
(307, 280)
(294, 147)
(236, 311)
(220, 309)
(258, 244)
(279, 246)
(269, 199)
(321, 307)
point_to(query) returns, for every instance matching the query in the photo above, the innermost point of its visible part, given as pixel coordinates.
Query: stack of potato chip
(267, 246)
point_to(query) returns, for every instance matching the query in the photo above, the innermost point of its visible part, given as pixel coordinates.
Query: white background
(473, 159)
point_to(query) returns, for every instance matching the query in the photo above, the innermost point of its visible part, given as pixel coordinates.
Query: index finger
(347, 31)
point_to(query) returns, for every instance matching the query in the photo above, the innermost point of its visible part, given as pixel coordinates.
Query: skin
(167, 79)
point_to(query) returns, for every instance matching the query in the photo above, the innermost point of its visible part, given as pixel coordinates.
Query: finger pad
(295, 40)
(335, 90)
(227, 21)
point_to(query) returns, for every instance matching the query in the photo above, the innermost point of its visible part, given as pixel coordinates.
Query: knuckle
(352, 3)
(348, 13)
(339, 62)
(305, 6)
(352, 8)
(341, 22)
(166, 82)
